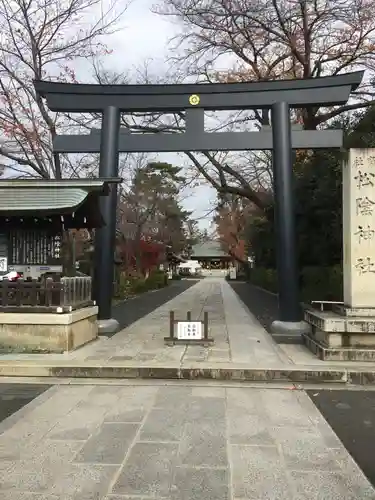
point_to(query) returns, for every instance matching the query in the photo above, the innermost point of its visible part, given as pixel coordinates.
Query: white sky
(145, 38)
(142, 40)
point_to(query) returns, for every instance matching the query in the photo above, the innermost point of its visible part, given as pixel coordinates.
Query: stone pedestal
(348, 332)
(48, 332)
(285, 332)
(106, 326)
(338, 337)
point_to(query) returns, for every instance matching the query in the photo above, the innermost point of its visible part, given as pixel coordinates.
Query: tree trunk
(138, 251)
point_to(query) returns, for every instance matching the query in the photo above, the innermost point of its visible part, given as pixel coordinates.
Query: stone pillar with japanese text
(345, 331)
(359, 229)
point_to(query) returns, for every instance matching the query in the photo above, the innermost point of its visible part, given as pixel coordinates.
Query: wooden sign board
(188, 330)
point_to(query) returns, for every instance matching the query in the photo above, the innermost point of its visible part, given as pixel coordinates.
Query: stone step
(360, 375)
(284, 338)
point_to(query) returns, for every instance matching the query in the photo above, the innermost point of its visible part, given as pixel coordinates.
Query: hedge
(129, 286)
(316, 283)
(322, 283)
(264, 278)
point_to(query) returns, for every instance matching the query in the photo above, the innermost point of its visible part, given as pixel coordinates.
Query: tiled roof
(21, 196)
(208, 249)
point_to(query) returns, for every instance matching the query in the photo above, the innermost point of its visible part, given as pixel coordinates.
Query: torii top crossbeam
(325, 91)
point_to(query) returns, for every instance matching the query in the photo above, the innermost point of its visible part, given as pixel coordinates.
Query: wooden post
(49, 291)
(205, 326)
(4, 292)
(33, 293)
(27, 299)
(19, 289)
(61, 291)
(171, 325)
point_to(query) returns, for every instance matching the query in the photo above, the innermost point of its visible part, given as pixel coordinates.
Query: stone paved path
(239, 337)
(131, 310)
(175, 442)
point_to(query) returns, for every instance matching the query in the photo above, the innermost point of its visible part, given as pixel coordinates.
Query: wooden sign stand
(173, 339)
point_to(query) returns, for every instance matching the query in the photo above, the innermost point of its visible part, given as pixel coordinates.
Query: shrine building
(211, 256)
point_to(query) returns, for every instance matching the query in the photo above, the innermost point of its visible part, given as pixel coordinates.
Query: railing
(50, 295)
(325, 303)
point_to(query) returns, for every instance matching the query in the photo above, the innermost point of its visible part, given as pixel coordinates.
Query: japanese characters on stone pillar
(359, 228)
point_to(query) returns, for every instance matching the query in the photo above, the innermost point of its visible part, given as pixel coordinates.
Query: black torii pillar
(105, 237)
(284, 213)
(285, 225)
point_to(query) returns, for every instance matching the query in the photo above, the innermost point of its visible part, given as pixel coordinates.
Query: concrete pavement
(239, 338)
(175, 442)
(243, 350)
(183, 440)
(352, 416)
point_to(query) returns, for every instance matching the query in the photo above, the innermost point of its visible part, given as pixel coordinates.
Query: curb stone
(295, 374)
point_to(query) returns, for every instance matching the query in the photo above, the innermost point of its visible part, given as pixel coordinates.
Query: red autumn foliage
(232, 220)
(151, 254)
(230, 226)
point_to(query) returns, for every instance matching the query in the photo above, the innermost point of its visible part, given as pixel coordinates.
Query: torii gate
(193, 99)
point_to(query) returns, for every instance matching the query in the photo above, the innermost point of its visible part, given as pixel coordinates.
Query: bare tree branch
(44, 39)
(275, 39)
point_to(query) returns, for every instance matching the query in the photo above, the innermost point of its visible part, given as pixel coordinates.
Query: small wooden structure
(34, 214)
(205, 340)
(45, 310)
(57, 295)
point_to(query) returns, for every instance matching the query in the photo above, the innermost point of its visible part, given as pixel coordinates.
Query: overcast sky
(145, 38)
(142, 40)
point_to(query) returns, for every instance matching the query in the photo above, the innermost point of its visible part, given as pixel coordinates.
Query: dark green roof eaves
(53, 183)
(28, 197)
